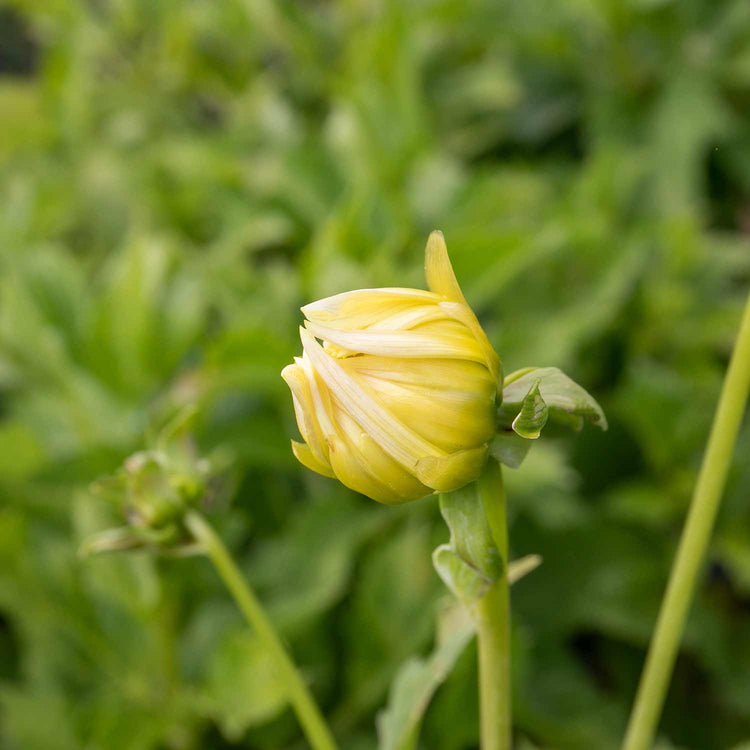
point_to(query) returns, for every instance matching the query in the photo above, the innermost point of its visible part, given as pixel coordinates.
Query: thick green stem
(308, 713)
(493, 626)
(695, 537)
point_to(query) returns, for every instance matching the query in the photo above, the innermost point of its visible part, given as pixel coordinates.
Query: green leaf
(471, 562)
(529, 422)
(418, 679)
(416, 682)
(471, 537)
(567, 401)
(465, 581)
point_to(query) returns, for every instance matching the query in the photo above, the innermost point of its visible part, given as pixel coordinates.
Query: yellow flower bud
(399, 401)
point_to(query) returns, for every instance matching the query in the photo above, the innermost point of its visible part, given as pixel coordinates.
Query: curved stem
(308, 713)
(493, 625)
(695, 536)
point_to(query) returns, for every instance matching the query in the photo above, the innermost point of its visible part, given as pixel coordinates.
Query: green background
(177, 178)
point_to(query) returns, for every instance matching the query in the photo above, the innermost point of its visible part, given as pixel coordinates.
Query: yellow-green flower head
(399, 401)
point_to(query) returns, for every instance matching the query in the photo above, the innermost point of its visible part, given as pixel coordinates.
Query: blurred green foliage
(176, 178)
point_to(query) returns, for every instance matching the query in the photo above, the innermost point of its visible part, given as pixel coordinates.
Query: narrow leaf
(418, 679)
(416, 682)
(517, 569)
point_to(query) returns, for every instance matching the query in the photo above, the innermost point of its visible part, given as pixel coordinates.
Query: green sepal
(167, 542)
(111, 540)
(528, 423)
(530, 398)
(509, 448)
(566, 401)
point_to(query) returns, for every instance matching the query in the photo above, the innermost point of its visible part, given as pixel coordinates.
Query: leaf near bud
(533, 396)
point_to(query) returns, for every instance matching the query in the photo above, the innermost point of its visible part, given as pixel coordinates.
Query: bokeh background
(178, 177)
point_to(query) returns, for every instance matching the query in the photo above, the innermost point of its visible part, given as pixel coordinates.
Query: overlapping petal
(363, 308)
(449, 416)
(446, 342)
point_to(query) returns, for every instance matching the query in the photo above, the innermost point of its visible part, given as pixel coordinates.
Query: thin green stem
(692, 548)
(493, 626)
(308, 713)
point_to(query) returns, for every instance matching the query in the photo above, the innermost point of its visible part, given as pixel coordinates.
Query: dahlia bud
(399, 400)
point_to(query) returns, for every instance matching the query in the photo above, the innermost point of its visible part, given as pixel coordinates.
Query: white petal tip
(287, 373)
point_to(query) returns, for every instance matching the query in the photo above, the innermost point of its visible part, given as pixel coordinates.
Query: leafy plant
(177, 179)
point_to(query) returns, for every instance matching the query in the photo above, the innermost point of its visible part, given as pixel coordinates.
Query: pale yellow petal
(413, 316)
(430, 373)
(399, 482)
(353, 473)
(320, 399)
(439, 271)
(466, 315)
(403, 484)
(453, 471)
(305, 456)
(419, 343)
(365, 307)
(448, 418)
(304, 410)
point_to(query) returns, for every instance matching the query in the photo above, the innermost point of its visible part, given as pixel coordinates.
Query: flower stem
(493, 625)
(692, 548)
(308, 713)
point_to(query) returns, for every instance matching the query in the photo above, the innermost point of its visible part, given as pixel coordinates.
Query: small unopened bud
(155, 488)
(399, 399)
